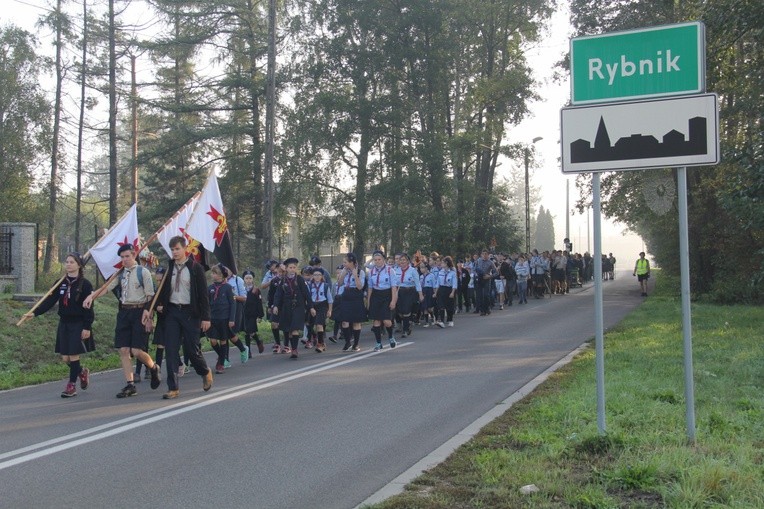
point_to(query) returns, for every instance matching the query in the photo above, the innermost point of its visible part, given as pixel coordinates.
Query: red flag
(124, 231)
(209, 226)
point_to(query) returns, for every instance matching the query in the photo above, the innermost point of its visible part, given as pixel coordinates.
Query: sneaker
(70, 391)
(309, 344)
(450, 324)
(346, 347)
(404, 333)
(408, 332)
(136, 378)
(501, 308)
(127, 391)
(320, 347)
(186, 369)
(276, 348)
(219, 369)
(155, 380)
(244, 356)
(294, 354)
(181, 370)
(440, 324)
(356, 348)
(207, 381)
(226, 364)
(378, 347)
(426, 325)
(171, 394)
(84, 378)
(332, 339)
(285, 349)
(393, 343)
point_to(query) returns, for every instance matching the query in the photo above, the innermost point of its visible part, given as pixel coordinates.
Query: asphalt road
(324, 431)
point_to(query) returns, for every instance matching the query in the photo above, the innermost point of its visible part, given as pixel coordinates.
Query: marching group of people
(393, 293)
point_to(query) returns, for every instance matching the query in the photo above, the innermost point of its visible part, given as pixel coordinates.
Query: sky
(544, 121)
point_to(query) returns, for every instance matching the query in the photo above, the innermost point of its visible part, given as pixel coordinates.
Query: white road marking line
(122, 425)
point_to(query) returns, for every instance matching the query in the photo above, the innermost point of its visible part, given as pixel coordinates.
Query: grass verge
(550, 438)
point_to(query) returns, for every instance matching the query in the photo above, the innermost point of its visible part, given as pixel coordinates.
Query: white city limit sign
(637, 135)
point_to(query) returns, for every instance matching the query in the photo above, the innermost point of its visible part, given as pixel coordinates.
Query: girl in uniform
(253, 312)
(446, 291)
(428, 290)
(383, 296)
(290, 304)
(409, 287)
(352, 308)
(271, 279)
(74, 336)
(222, 316)
(337, 301)
(320, 293)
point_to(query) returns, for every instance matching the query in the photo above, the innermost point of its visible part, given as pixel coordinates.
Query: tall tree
(24, 122)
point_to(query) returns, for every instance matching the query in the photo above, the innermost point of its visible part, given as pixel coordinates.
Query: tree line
(391, 119)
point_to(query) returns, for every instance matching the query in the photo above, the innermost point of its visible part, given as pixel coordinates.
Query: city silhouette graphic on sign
(638, 146)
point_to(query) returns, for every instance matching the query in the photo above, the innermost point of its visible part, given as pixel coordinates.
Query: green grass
(550, 439)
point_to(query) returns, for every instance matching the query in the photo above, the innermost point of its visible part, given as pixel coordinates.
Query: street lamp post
(528, 197)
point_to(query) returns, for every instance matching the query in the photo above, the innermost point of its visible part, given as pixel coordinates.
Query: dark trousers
(483, 295)
(445, 304)
(182, 329)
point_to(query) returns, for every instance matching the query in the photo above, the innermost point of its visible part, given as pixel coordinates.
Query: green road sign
(638, 64)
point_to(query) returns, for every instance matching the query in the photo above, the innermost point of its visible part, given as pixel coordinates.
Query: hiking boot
(84, 378)
(127, 391)
(155, 380)
(207, 381)
(70, 391)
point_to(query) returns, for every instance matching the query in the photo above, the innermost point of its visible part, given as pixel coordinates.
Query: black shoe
(332, 339)
(346, 347)
(155, 380)
(127, 391)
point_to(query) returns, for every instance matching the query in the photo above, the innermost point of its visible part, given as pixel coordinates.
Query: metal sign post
(599, 327)
(684, 268)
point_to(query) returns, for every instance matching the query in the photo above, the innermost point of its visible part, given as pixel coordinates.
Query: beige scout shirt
(180, 285)
(133, 293)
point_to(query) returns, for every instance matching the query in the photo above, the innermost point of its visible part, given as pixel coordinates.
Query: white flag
(208, 223)
(176, 226)
(124, 231)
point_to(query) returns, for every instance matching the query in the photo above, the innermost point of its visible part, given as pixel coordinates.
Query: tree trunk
(51, 248)
(80, 128)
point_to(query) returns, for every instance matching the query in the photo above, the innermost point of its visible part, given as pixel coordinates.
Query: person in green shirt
(642, 271)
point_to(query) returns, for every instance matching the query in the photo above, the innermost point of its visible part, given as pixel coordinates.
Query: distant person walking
(74, 336)
(642, 271)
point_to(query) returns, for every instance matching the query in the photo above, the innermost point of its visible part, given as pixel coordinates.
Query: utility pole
(528, 196)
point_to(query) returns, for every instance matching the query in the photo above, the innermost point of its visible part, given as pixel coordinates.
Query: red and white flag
(208, 224)
(124, 231)
(176, 226)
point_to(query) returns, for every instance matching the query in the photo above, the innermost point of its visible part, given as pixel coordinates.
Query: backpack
(117, 291)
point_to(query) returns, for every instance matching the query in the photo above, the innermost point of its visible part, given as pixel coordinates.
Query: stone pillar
(23, 256)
